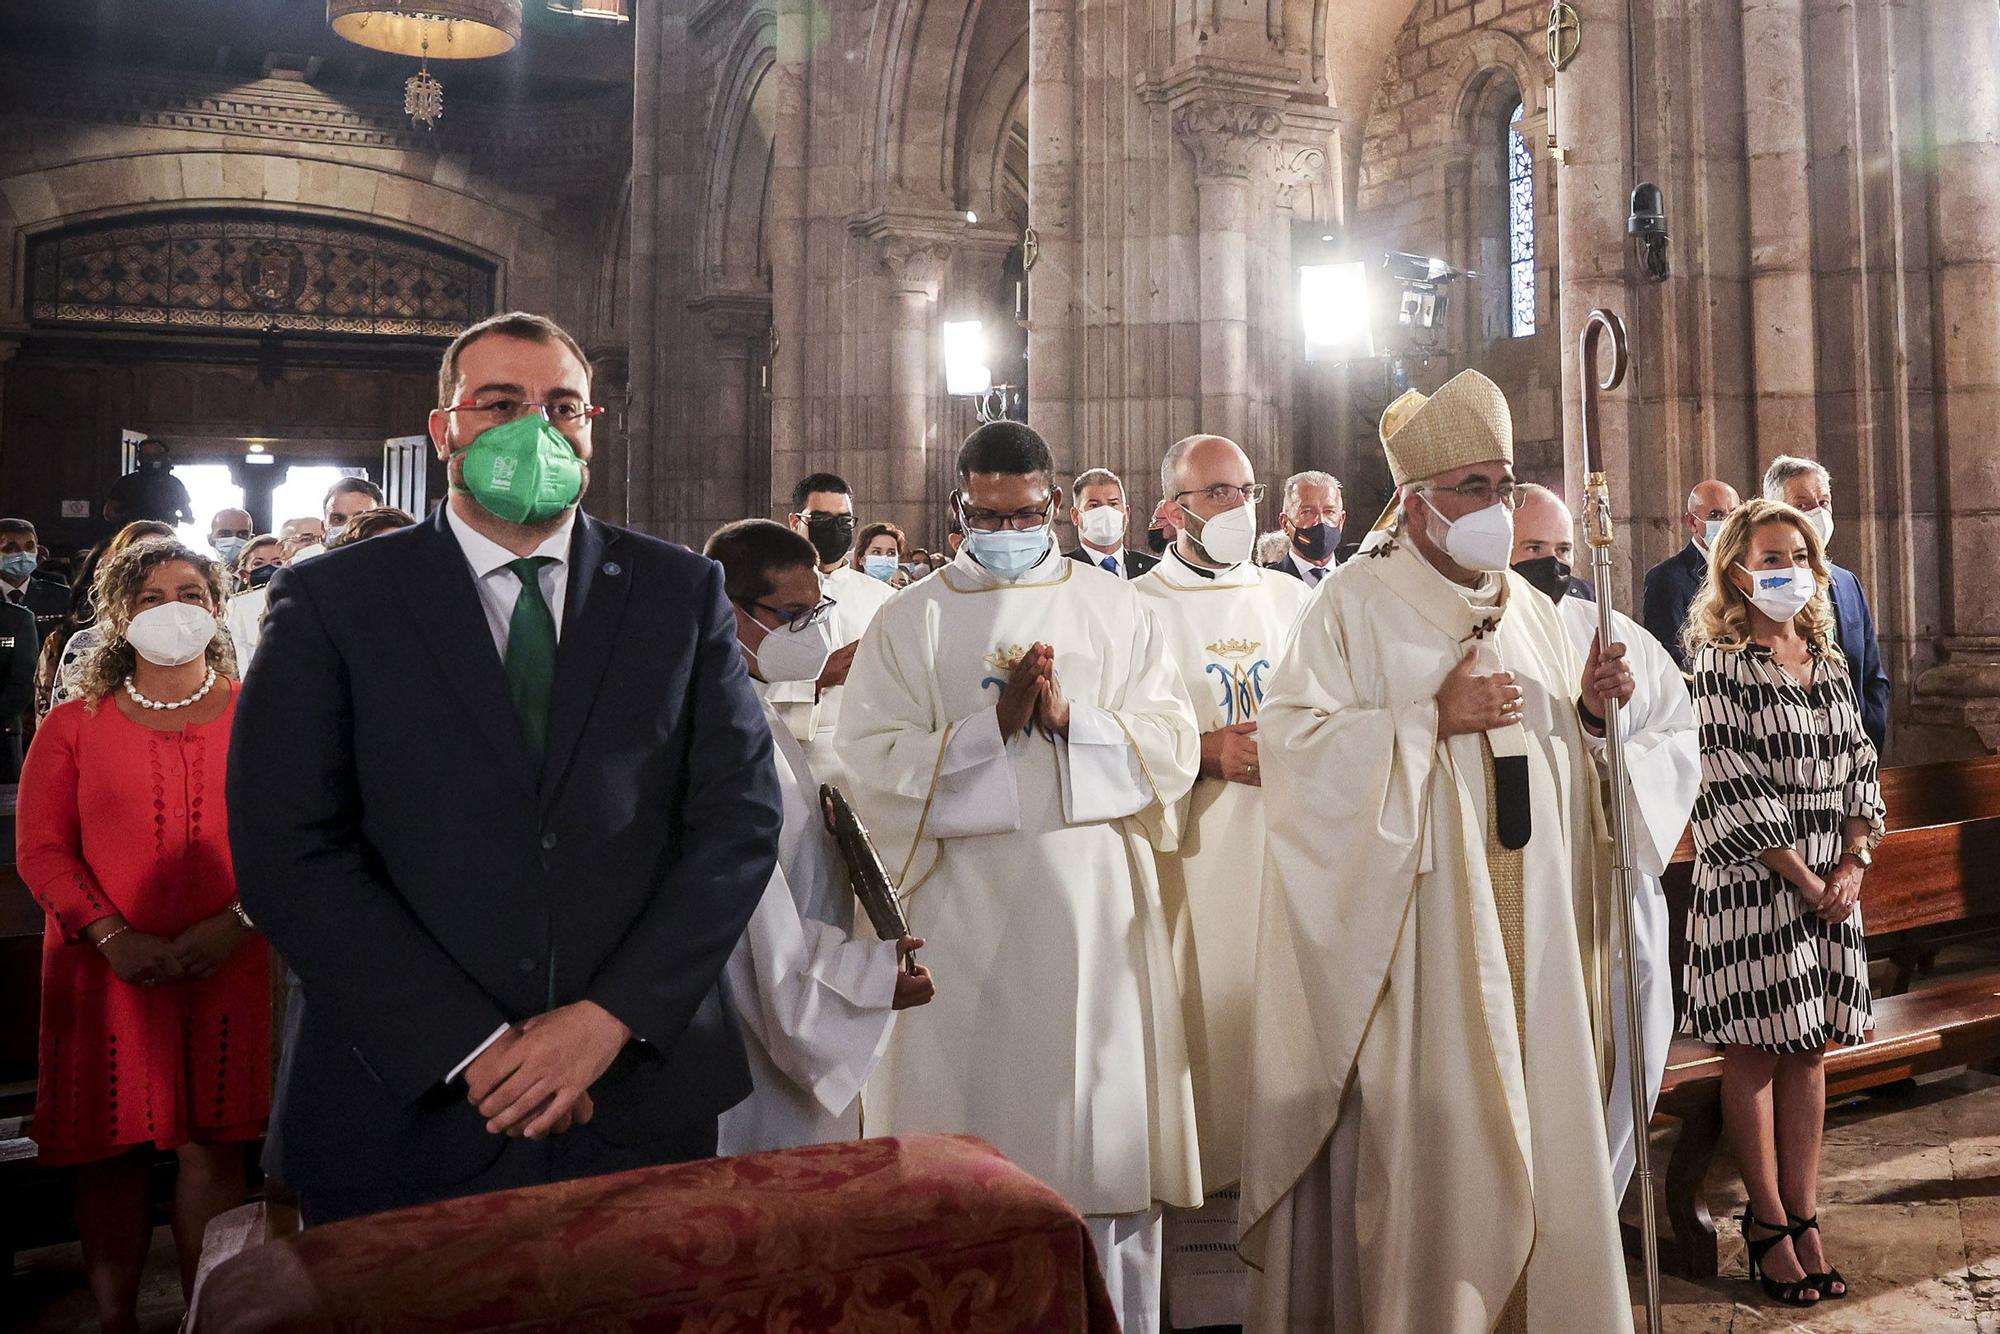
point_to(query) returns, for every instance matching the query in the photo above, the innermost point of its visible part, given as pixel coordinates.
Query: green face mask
(524, 471)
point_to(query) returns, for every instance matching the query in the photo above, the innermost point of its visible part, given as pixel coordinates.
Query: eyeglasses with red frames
(562, 412)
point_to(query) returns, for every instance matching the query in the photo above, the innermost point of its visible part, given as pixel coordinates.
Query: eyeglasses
(797, 622)
(991, 521)
(562, 412)
(1483, 493)
(1307, 516)
(1225, 493)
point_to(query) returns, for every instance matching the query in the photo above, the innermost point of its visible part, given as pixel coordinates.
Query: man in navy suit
(1807, 487)
(502, 796)
(1672, 584)
(1098, 513)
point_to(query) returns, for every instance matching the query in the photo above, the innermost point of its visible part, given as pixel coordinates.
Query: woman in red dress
(155, 991)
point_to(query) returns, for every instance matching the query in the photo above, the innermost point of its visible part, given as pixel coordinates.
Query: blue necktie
(1317, 573)
(1110, 563)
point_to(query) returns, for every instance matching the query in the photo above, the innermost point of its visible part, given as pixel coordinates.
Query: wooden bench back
(1939, 863)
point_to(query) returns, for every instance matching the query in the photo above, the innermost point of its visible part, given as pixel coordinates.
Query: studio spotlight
(966, 374)
(1334, 312)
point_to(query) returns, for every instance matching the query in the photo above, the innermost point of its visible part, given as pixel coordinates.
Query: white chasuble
(1225, 631)
(814, 1002)
(1027, 864)
(1662, 779)
(1425, 1151)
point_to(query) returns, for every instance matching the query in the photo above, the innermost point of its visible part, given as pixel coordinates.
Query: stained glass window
(1520, 226)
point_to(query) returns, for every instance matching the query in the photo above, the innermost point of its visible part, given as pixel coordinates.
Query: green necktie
(531, 653)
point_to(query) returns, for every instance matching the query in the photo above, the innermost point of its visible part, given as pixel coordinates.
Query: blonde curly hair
(115, 591)
(1720, 615)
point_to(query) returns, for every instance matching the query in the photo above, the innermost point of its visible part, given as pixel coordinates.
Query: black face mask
(832, 535)
(1548, 574)
(1156, 538)
(1316, 541)
(261, 575)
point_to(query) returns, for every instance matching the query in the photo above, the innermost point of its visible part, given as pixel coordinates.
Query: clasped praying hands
(1034, 694)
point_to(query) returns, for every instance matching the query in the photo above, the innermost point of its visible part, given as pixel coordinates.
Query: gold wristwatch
(1862, 856)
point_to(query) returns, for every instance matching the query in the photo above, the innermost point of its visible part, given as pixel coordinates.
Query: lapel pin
(612, 567)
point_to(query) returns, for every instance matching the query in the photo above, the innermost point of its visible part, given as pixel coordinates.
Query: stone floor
(1910, 1203)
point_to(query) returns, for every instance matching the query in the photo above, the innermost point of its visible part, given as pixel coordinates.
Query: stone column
(1052, 168)
(1964, 49)
(786, 241)
(1592, 130)
(734, 445)
(1784, 382)
(1231, 142)
(915, 250)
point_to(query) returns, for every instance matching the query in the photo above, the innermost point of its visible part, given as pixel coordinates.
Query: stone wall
(533, 192)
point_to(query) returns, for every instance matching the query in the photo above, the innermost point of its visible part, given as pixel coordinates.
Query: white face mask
(1782, 594)
(1822, 519)
(308, 552)
(1230, 537)
(793, 655)
(1482, 540)
(172, 633)
(1103, 526)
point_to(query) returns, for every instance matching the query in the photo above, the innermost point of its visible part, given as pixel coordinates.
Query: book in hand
(865, 871)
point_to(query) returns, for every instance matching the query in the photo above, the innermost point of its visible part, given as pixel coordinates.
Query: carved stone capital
(1299, 165)
(915, 245)
(735, 318)
(1230, 140)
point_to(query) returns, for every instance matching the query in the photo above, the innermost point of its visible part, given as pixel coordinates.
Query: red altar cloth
(927, 1234)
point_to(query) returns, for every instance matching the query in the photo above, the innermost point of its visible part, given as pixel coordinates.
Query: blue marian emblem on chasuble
(1241, 678)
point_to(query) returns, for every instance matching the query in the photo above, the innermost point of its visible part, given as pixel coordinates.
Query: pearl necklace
(196, 698)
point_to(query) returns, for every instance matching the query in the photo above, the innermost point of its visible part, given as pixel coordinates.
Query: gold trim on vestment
(945, 574)
(924, 818)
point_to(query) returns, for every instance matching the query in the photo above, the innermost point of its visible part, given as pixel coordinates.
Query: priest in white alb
(1225, 620)
(816, 1005)
(1015, 735)
(1425, 1150)
(1662, 779)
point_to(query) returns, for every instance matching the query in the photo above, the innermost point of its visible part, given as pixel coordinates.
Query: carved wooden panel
(230, 271)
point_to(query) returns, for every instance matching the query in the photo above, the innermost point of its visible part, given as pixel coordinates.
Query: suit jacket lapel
(452, 620)
(593, 607)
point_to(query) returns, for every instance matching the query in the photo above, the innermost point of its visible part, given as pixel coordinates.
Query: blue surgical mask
(1009, 553)
(1713, 527)
(880, 567)
(18, 565)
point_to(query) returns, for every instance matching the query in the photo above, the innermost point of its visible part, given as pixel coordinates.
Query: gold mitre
(1464, 423)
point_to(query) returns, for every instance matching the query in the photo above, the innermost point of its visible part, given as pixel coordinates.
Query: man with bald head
(229, 532)
(1225, 620)
(1671, 585)
(1662, 778)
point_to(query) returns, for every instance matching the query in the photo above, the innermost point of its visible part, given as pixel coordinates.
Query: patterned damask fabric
(245, 272)
(932, 1233)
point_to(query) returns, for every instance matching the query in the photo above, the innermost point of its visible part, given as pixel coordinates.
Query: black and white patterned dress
(1782, 765)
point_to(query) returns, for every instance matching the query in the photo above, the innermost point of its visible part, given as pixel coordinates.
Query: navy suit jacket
(1669, 592)
(1856, 627)
(427, 882)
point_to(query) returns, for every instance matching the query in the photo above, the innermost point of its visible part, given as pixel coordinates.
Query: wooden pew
(1938, 870)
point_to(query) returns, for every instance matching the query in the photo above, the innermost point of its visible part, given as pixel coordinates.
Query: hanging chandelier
(447, 29)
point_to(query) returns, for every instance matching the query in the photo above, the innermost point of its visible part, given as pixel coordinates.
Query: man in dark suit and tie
(1313, 518)
(1671, 585)
(502, 796)
(1807, 487)
(1098, 512)
(25, 584)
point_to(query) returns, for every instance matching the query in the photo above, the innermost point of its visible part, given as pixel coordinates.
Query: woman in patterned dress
(1789, 814)
(155, 991)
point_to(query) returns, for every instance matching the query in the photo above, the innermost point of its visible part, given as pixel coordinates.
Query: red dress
(116, 817)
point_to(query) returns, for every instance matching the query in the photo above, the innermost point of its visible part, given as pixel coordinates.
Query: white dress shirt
(1098, 558)
(1304, 567)
(499, 589)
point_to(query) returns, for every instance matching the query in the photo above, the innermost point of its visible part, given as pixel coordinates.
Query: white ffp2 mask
(1482, 540)
(1230, 536)
(172, 633)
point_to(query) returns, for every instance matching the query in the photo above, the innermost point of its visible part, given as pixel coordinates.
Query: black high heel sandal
(1824, 1282)
(1801, 1293)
